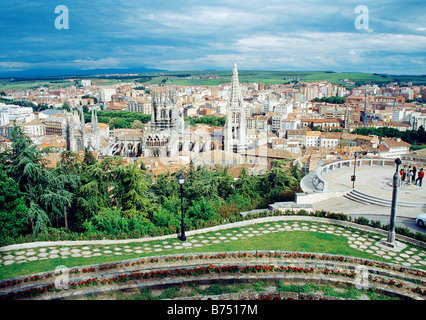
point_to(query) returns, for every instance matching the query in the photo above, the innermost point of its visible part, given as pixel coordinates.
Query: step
(365, 200)
(362, 197)
(389, 201)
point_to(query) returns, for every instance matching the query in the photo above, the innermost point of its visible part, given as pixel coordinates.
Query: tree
(130, 190)
(201, 210)
(88, 159)
(27, 168)
(421, 135)
(13, 210)
(245, 185)
(137, 124)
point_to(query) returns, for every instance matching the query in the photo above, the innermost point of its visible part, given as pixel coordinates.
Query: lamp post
(181, 180)
(396, 181)
(353, 177)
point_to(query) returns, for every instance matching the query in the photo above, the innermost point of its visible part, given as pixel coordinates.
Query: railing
(321, 184)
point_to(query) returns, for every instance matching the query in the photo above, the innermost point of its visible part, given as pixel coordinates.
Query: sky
(296, 35)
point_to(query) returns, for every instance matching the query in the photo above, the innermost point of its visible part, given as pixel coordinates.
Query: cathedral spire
(235, 126)
(235, 94)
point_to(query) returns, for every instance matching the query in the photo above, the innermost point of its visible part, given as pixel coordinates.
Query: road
(410, 223)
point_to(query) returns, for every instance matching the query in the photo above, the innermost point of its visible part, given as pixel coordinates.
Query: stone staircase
(358, 196)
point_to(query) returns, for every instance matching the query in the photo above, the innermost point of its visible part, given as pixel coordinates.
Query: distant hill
(43, 73)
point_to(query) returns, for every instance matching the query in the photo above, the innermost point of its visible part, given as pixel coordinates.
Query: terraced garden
(286, 250)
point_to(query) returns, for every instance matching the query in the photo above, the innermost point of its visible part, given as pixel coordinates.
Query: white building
(17, 113)
(86, 82)
(4, 116)
(283, 109)
(290, 124)
(419, 120)
(313, 139)
(105, 94)
(329, 140)
(34, 128)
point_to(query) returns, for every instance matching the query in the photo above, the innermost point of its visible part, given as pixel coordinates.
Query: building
(395, 148)
(418, 156)
(313, 139)
(236, 123)
(33, 128)
(105, 94)
(330, 139)
(4, 117)
(162, 137)
(79, 136)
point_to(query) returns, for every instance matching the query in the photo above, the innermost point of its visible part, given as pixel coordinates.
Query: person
(420, 177)
(409, 176)
(414, 174)
(405, 173)
(401, 172)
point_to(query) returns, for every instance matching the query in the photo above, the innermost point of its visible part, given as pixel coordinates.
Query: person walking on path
(401, 172)
(414, 173)
(420, 177)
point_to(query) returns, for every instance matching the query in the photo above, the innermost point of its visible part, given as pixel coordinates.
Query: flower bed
(216, 256)
(196, 271)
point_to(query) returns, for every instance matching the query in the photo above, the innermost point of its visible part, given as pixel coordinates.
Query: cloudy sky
(200, 35)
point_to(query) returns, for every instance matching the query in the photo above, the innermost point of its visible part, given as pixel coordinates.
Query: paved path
(376, 180)
(408, 255)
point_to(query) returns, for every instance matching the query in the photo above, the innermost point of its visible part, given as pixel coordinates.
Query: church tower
(236, 124)
(161, 139)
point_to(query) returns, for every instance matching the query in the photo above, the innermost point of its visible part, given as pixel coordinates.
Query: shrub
(337, 216)
(375, 224)
(362, 220)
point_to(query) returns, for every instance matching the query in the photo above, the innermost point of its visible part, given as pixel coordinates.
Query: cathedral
(78, 137)
(165, 136)
(162, 137)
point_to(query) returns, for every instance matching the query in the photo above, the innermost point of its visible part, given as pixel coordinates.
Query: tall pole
(396, 181)
(353, 179)
(182, 225)
(365, 106)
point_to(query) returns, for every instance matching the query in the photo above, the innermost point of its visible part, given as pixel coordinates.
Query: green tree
(13, 210)
(130, 190)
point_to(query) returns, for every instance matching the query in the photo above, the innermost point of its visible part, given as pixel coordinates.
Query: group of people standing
(408, 175)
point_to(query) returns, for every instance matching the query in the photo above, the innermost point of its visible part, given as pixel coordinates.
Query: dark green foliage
(335, 100)
(119, 119)
(410, 136)
(209, 120)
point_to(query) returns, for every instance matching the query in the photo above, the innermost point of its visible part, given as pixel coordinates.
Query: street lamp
(181, 180)
(396, 181)
(353, 177)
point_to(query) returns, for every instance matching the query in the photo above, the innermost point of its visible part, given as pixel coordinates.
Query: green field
(280, 77)
(197, 78)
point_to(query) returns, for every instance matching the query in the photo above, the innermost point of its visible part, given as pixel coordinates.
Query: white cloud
(13, 65)
(102, 63)
(335, 51)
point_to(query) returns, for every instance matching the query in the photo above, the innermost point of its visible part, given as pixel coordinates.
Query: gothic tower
(164, 113)
(161, 140)
(236, 124)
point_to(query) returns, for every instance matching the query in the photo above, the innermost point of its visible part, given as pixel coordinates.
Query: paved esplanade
(376, 181)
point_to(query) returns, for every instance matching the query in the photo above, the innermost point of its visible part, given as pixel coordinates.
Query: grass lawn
(306, 241)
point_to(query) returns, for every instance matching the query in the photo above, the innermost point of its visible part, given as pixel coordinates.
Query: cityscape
(234, 178)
